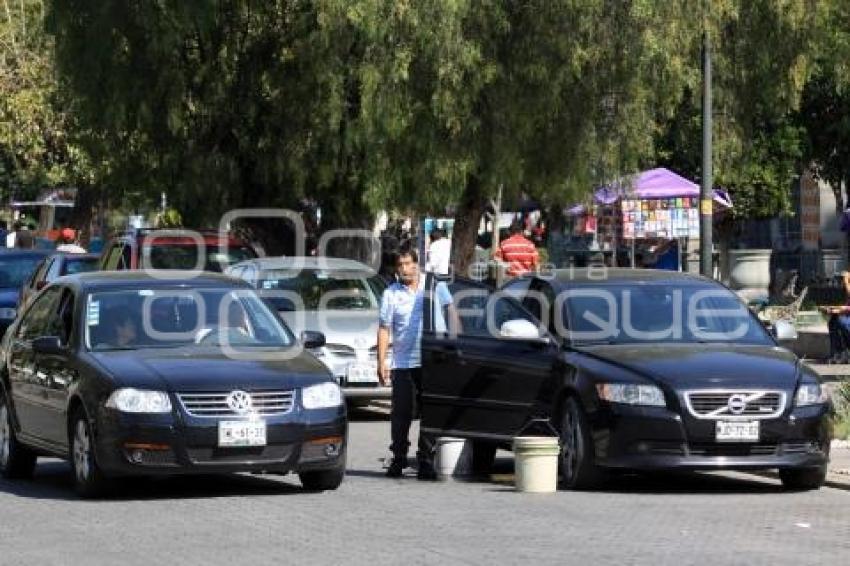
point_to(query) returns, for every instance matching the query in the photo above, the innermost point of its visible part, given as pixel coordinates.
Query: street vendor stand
(655, 205)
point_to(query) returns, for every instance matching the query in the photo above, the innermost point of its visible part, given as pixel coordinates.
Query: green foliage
(841, 400)
(35, 146)
(761, 58)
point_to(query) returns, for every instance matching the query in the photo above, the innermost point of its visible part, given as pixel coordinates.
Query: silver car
(338, 297)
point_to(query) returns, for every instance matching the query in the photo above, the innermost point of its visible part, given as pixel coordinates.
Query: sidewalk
(839, 465)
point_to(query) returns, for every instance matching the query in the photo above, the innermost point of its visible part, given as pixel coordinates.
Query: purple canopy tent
(656, 183)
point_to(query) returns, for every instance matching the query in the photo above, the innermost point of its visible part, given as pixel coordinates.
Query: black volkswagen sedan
(132, 374)
(633, 369)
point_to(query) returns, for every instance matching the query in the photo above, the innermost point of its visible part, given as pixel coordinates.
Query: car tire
(16, 460)
(89, 480)
(483, 456)
(578, 471)
(803, 479)
(322, 480)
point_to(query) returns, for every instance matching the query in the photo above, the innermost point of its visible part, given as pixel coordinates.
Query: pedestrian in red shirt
(518, 252)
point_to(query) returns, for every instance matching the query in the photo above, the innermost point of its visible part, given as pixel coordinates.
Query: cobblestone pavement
(688, 519)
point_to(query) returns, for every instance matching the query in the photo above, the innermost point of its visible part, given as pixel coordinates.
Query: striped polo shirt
(519, 253)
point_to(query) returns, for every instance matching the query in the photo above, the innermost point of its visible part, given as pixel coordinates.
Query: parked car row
(134, 373)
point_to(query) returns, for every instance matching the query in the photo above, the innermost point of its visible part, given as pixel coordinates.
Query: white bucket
(536, 463)
(453, 457)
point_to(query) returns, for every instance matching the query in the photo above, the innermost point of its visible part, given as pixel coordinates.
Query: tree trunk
(81, 215)
(346, 211)
(467, 219)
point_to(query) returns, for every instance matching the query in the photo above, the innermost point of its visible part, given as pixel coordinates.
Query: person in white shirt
(439, 253)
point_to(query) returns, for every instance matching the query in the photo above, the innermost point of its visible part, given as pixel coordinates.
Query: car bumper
(636, 438)
(366, 393)
(170, 445)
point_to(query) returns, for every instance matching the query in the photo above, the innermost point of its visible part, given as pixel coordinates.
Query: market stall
(653, 214)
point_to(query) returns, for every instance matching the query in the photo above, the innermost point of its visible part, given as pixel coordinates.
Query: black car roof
(107, 280)
(615, 276)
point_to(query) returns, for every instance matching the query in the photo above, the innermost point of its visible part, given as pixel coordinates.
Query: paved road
(696, 519)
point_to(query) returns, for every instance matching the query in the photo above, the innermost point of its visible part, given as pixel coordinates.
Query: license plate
(362, 373)
(242, 433)
(737, 431)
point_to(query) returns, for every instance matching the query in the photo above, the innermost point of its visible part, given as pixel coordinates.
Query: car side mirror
(49, 345)
(521, 329)
(312, 339)
(784, 331)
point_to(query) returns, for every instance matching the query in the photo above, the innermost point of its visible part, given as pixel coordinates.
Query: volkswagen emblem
(737, 404)
(239, 402)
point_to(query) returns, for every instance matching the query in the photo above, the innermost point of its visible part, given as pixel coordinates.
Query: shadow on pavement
(52, 480)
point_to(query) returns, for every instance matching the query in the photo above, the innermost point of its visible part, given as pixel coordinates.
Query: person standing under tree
(518, 252)
(401, 318)
(439, 253)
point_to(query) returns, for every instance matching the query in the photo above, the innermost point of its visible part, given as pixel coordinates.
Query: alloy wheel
(569, 448)
(5, 436)
(82, 451)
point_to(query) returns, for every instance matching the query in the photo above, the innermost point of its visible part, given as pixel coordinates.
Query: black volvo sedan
(633, 369)
(132, 374)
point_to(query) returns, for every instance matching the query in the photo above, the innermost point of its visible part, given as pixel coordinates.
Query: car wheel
(16, 460)
(578, 470)
(89, 481)
(803, 479)
(483, 456)
(322, 480)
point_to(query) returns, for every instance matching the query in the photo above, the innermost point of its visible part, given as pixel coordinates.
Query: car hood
(9, 297)
(698, 366)
(196, 369)
(358, 329)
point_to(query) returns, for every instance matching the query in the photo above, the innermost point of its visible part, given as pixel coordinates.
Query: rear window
(185, 256)
(80, 265)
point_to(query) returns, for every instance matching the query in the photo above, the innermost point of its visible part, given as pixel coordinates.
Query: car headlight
(321, 396)
(129, 400)
(811, 394)
(631, 394)
(8, 313)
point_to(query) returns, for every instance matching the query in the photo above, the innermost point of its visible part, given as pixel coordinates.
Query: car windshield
(80, 264)
(185, 256)
(161, 318)
(658, 313)
(15, 270)
(320, 289)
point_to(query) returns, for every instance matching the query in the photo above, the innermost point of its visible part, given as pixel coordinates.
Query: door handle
(448, 352)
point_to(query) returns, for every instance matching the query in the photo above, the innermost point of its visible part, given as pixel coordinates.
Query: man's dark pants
(839, 334)
(407, 394)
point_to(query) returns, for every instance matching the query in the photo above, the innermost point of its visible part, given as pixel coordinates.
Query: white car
(338, 297)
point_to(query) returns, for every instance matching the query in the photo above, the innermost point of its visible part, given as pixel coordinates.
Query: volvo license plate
(359, 372)
(242, 433)
(737, 431)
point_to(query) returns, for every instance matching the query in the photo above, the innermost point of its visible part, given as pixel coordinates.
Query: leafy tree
(762, 50)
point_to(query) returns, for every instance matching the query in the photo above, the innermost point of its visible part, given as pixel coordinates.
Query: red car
(208, 250)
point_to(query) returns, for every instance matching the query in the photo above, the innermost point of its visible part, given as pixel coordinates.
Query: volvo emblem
(737, 404)
(239, 402)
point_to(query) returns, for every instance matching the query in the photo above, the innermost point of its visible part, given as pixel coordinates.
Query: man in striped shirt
(518, 252)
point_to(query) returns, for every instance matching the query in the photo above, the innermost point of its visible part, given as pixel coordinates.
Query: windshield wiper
(604, 342)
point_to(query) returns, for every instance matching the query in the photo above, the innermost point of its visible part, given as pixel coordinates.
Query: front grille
(731, 450)
(241, 455)
(746, 404)
(263, 403)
